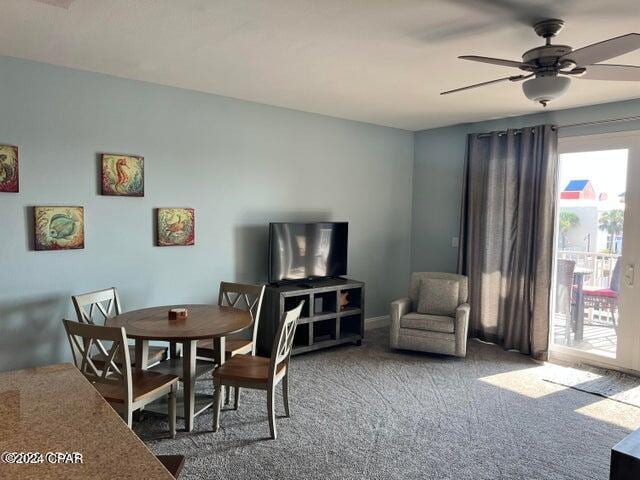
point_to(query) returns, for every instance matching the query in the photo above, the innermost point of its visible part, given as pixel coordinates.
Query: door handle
(629, 275)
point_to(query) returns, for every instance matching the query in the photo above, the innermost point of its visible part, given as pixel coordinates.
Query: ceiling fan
(549, 68)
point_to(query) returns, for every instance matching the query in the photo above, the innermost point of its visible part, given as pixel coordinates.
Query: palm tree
(568, 220)
(612, 222)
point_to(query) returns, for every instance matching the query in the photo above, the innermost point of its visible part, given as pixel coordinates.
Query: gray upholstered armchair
(435, 316)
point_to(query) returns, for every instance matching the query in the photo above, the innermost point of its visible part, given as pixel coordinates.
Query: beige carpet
(371, 413)
(599, 381)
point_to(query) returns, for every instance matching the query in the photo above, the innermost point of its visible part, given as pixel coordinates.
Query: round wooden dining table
(202, 322)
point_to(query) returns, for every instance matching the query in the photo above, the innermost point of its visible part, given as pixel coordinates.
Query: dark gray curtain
(506, 243)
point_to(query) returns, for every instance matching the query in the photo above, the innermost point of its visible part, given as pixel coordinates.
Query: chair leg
(271, 393)
(285, 394)
(174, 350)
(236, 398)
(216, 406)
(172, 411)
(227, 395)
(128, 415)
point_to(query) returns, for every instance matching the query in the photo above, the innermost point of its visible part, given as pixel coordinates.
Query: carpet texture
(371, 413)
(599, 381)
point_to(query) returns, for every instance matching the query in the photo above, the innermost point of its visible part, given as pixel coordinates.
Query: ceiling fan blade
(517, 11)
(494, 61)
(504, 79)
(619, 73)
(601, 51)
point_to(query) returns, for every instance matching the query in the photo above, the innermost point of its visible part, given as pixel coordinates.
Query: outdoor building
(590, 221)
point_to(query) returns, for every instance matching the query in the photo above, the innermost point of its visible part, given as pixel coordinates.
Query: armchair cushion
(438, 296)
(431, 323)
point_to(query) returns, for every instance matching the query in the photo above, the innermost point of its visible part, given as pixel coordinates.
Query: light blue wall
(438, 174)
(239, 164)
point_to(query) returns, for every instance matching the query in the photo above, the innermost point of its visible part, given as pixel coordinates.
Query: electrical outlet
(455, 242)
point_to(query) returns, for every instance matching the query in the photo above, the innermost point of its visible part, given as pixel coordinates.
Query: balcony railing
(600, 264)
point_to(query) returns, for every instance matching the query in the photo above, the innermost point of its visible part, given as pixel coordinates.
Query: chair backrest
(614, 284)
(106, 302)
(87, 340)
(283, 341)
(564, 285)
(418, 277)
(245, 297)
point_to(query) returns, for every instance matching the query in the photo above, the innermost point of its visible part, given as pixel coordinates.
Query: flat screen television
(307, 250)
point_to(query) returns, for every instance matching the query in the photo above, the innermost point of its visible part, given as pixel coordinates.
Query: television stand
(323, 323)
(321, 282)
(311, 282)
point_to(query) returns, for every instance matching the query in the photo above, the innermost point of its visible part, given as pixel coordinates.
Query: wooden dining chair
(125, 391)
(260, 373)
(107, 304)
(245, 297)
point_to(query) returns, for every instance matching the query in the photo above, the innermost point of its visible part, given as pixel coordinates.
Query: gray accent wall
(239, 164)
(438, 174)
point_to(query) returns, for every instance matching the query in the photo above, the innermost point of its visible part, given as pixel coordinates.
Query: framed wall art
(122, 175)
(176, 227)
(59, 228)
(9, 169)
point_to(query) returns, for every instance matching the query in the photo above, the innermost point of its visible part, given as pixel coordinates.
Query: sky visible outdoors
(607, 172)
(606, 169)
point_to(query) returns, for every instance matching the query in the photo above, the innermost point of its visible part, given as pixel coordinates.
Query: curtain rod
(600, 122)
(572, 125)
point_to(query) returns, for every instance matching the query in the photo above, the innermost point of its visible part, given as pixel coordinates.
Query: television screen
(307, 250)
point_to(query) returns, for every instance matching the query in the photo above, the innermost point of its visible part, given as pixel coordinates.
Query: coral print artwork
(176, 227)
(9, 169)
(122, 175)
(59, 228)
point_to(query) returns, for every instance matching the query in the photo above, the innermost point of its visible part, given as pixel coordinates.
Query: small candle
(178, 313)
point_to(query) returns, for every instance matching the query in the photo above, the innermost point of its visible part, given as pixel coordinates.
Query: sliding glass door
(595, 316)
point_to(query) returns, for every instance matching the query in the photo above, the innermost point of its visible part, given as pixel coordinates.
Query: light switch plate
(455, 242)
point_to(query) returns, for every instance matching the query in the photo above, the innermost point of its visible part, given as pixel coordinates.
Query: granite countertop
(55, 409)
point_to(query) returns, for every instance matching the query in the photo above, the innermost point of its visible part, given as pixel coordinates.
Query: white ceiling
(378, 61)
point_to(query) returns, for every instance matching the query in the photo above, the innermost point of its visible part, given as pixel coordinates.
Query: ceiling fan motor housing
(546, 56)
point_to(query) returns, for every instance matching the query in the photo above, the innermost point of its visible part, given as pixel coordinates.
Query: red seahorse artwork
(123, 178)
(122, 175)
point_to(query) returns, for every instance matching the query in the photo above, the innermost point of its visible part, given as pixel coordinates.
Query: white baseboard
(377, 322)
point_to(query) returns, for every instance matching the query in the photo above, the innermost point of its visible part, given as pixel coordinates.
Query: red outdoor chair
(604, 299)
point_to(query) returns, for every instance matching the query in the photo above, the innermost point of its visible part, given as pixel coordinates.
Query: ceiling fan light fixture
(547, 88)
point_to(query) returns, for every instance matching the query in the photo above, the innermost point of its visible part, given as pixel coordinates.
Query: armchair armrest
(461, 328)
(399, 308)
